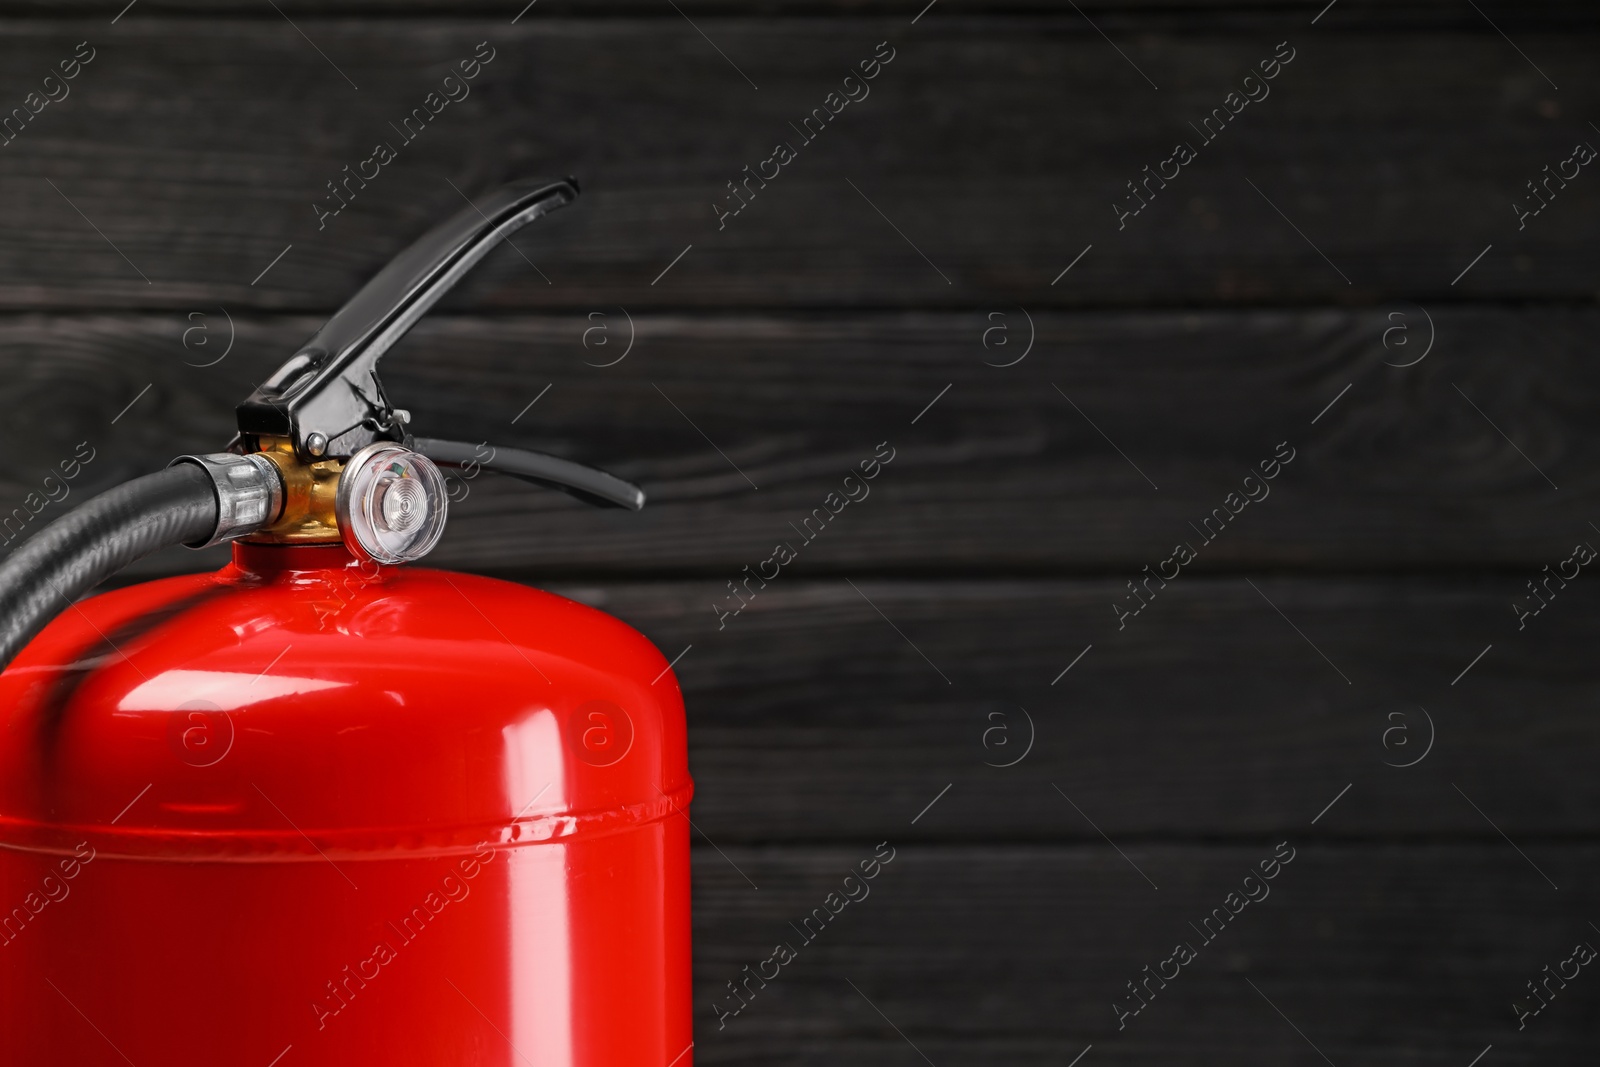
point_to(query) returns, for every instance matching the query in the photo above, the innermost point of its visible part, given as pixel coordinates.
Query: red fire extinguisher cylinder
(322, 807)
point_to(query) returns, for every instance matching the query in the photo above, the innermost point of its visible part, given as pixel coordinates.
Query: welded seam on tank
(274, 846)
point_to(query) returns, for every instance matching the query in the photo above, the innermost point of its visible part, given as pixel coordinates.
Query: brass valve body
(310, 492)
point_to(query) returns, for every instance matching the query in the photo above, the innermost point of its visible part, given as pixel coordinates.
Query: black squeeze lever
(327, 398)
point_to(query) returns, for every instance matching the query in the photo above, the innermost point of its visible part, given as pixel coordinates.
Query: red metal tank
(309, 811)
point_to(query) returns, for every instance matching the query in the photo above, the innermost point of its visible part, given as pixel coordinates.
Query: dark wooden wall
(1282, 289)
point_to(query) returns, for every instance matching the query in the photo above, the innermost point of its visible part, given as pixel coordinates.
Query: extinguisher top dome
(299, 703)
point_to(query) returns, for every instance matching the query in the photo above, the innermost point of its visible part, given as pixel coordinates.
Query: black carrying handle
(327, 395)
(327, 398)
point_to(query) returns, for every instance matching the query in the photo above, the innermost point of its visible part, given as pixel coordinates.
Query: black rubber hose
(86, 546)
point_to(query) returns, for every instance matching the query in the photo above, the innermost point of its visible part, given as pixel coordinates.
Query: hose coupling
(249, 493)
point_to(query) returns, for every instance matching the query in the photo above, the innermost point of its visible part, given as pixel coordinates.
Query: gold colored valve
(310, 491)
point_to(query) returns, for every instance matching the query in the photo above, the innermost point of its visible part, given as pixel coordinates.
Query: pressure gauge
(391, 504)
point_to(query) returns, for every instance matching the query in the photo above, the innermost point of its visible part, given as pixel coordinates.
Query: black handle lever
(327, 397)
(586, 483)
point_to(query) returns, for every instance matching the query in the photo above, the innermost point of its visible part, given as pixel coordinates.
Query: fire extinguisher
(319, 807)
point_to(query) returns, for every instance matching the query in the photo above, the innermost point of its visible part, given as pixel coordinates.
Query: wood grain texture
(1352, 15)
(1239, 705)
(1007, 472)
(995, 147)
(1405, 954)
(868, 693)
(1359, 14)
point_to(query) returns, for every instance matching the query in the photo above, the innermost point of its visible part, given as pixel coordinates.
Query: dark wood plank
(1405, 954)
(1351, 12)
(198, 147)
(812, 716)
(1003, 474)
